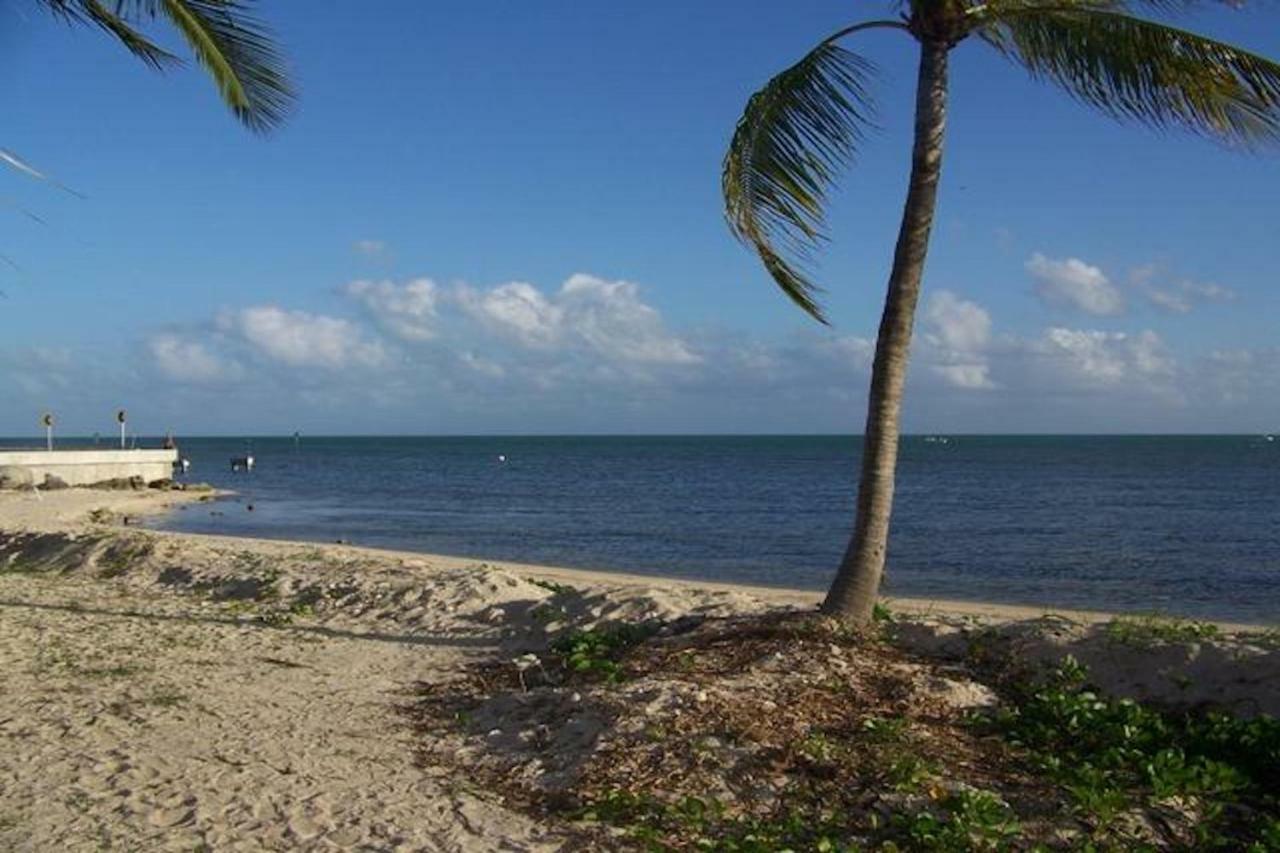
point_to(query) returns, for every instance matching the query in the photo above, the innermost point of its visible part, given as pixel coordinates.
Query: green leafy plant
(1150, 629)
(885, 729)
(597, 651)
(969, 820)
(553, 586)
(1109, 753)
(702, 823)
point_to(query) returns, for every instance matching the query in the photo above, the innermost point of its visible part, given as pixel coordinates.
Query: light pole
(120, 417)
(47, 420)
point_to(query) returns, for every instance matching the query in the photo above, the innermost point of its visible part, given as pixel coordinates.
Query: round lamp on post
(120, 418)
(47, 420)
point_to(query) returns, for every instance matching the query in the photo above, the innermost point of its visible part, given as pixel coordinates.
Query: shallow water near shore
(1184, 525)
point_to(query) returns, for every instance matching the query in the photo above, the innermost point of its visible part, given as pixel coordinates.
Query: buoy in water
(502, 457)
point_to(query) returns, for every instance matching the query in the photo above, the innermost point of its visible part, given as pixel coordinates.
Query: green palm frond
(238, 52)
(1136, 69)
(227, 39)
(795, 133)
(93, 12)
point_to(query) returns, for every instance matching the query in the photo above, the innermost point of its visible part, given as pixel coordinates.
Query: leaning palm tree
(809, 121)
(224, 35)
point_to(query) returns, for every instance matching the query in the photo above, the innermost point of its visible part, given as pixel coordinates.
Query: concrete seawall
(23, 468)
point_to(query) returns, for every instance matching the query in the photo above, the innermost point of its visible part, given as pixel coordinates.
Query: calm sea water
(1186, 525)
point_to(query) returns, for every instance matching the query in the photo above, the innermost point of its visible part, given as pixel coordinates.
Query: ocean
(1180, 525)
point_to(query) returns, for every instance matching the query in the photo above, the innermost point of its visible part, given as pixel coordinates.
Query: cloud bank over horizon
(593, 354)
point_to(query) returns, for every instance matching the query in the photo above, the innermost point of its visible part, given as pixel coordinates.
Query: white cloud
(190, 360)
(587, 315)
(301, 339)
(958, 334)
(407, 311)
(612, 320)
(956, 323)
(1105, 359)
(961, 351)
(1237, 376)
(855, 351)
(592, 354)
(38, 369)
(516, 310)
(1074, 284)
(483, 366)
(1177, 297)
(975, 376)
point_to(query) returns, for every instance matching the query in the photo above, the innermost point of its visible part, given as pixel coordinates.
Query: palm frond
(227, 39)
(93, 12)
(238, 52)
(1135, 69)
(14, 161)
(795, 133)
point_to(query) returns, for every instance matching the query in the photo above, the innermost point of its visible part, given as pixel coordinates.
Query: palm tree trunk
(853, 594)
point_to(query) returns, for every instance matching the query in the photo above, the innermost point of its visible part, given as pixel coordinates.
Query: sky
(498, 217)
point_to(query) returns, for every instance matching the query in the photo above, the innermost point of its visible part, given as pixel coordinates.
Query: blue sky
(502, 217)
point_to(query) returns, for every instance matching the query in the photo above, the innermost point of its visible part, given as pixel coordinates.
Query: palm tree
(224, 35)
(809, 120)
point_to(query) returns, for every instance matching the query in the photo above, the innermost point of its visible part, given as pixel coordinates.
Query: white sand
(162, 691)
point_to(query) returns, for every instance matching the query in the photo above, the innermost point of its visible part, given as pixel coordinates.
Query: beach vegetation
(969, 819)
(554, 587)
(121, 555)
(303, 608)
(759, 733)
(810, 121)
(545, 613)
(1152, 628)
(598, 651)
(885, 729)
(226, 37)
(275, 617)
(78, 800)
(1114, 755)
(1268, 639)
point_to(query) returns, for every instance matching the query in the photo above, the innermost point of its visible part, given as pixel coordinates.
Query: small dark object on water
(249, 507)
(342, 541)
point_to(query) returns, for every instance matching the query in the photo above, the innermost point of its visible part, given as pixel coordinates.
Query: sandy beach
(169, 691)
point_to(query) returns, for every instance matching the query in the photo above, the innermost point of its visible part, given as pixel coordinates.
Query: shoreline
(169, 690)
(68, 510)
(788, 596)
